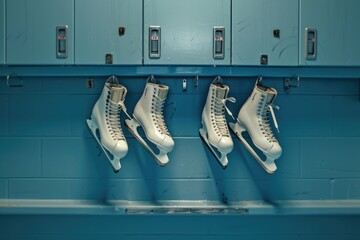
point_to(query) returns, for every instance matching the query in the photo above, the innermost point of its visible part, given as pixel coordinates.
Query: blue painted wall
(2, 31)
(47, 152)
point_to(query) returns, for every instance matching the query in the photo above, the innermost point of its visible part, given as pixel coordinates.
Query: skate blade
(268, 164)
(222, 160)
(114, 161)
(162, 158)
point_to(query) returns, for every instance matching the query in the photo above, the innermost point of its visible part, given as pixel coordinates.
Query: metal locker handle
(310, 43)
(154, 42)
(219, 42)
(61, 41)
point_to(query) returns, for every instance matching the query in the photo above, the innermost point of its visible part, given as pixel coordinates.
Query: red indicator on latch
(154, 38)
(218, 42)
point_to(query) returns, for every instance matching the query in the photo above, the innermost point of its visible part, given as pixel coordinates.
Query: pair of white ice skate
(253, 118)
(148, 113)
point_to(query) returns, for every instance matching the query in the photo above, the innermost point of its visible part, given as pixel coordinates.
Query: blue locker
(108, 31)
(40, 32)
(183, 33)
(265, 32)
(329, 32)
(2, 31)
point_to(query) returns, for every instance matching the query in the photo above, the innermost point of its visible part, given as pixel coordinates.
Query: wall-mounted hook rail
(89, 83)
(288, 82)
(184, 85)
(196, 81)
(13, 80)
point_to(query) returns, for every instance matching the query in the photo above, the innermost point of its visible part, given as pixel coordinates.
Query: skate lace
(265, 123)
(113, 118)
(158, 117)
(219, 110)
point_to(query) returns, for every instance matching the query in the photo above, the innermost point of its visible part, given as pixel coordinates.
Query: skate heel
(92, 125)
(203, 130)
(132, 123)
(114, 160)
(222, 159)
(238, 128)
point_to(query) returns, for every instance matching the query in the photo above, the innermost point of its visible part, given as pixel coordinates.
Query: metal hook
(13, 80)
(112, 79)
(218, 79)
(151, 79)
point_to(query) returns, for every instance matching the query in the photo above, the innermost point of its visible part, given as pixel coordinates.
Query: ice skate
(253, 118)
(214, 131)
(148, 114)
(105, 122)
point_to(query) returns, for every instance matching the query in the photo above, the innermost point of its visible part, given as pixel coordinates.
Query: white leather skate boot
(148, 114)
(105, 117)
(253, 117)
(214, 131)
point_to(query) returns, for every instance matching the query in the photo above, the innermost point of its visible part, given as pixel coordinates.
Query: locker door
(2, 31)
(108, 31)
(329, 32)
(183, 32)
(265, 32)
(40, 31)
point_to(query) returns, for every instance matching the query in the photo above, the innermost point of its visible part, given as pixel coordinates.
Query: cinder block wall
(47, 152)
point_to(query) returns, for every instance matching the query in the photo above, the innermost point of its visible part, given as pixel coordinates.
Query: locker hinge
(14, 80)
(289, 82)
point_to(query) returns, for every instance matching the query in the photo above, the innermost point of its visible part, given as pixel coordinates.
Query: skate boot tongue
(220, 92)
(271, 94)
(162, 92)
(117, 94)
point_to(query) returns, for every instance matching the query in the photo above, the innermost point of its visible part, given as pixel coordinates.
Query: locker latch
(108, 58)
(154, 42)
(276, 33)
(264, 59)
(219, 42)
(310, 43)
(121, 31)
(61, 41)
